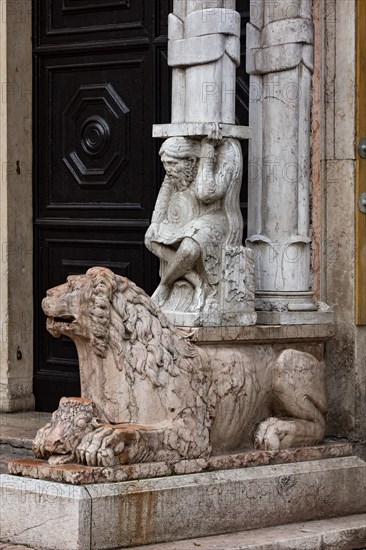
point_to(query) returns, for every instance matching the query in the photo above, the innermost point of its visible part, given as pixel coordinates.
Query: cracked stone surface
(80, 475)
(86, 517)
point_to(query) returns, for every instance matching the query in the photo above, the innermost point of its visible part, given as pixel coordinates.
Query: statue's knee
(190, 250)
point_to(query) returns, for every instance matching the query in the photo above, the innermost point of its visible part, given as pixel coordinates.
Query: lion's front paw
(39, 442)
(275, 434)
(106, 446)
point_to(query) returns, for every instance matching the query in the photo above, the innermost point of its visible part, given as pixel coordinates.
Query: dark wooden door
(100, 82)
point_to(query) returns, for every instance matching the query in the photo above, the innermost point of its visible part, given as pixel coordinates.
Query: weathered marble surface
(207, 276)
(264, 334)
(204, 51)
(327, 534)
(150, 394)
(16, 208)
(280, 44)
(115, 515)
(78, 474)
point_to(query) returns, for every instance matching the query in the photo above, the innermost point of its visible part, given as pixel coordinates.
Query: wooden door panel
(63, 21)
(242, 106)
(91, 151)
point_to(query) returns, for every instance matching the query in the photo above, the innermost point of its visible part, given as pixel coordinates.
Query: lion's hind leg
(298, 403)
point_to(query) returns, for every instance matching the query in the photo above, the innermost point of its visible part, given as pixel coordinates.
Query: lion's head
(113, 314)
(81, 307)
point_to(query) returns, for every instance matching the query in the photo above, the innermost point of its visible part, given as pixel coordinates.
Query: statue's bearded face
(179, 171)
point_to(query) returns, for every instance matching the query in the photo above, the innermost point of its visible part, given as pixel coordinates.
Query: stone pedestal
(121, 515)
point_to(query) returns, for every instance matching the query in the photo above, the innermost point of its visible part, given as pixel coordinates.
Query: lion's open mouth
(68, 319)
(58, 325)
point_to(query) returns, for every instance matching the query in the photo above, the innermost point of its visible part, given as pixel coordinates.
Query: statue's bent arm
(162, 202)
(213, 178)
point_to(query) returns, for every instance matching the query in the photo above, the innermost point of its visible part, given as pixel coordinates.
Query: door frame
(16, 265)
(360, 290)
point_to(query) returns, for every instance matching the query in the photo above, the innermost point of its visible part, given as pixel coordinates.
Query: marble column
(207, 276)
(280, 44)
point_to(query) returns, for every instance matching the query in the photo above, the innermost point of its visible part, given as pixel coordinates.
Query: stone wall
(16, 300)
(346, 353)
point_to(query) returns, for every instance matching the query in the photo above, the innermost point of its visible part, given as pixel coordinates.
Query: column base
(290, 308)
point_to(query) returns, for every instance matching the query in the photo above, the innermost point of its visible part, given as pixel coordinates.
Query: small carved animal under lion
(150, 394)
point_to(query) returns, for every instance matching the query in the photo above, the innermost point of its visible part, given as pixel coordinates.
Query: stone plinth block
(200, 129)
(78, 474)
(58, 516)
(295, 317)
(44, 515)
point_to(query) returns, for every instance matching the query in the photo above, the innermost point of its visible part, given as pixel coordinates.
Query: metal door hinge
(362, 202)
(362, 148)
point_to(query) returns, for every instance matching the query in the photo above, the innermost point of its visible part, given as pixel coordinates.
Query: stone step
(17, 431)
(345, 533)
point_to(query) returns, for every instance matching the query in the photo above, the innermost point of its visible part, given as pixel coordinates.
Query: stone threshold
(76, 474)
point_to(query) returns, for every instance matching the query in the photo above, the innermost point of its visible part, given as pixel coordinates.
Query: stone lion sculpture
(150, 394)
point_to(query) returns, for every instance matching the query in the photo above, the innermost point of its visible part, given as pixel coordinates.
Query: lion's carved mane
(122, 315)
(170, 397)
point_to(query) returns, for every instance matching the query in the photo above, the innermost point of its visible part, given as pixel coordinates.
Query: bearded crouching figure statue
(150, 394)
(207, 276)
